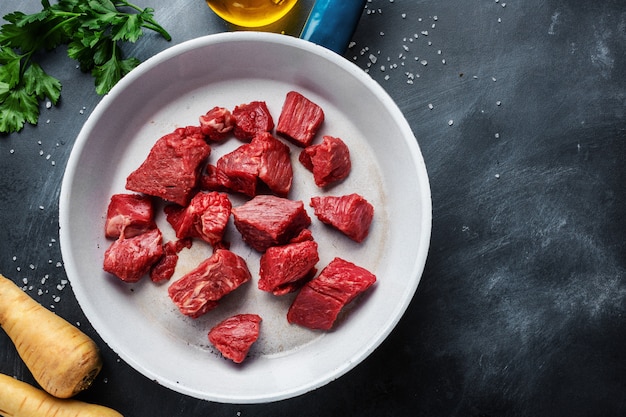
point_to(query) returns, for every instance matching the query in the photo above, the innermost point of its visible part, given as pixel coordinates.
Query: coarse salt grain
(450, 122)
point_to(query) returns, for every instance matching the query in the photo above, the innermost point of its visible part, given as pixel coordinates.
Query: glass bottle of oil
(251, 13)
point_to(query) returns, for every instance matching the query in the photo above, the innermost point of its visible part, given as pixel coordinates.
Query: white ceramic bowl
(140, 323)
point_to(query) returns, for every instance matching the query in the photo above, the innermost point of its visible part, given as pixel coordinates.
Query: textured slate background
(518, 108)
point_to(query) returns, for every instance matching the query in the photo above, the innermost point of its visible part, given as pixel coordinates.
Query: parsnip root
(19, 399)
(62, 359)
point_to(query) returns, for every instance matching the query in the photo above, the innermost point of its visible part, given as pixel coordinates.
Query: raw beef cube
(129, 215)
(131, 258)
(217, 123)
(205, 217)
(275, 169)
(172, 168)
(213, 179)
(283, 268)
(235, 336)
(351, 214)
(252, 118)
(299, 119)
(329, 161)
(303, 236)
(265, 158)
(164, 268)
(238, 170)
(267, 220)
(200, 290)
(319, 302)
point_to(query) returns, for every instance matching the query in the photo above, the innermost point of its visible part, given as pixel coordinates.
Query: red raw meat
(213, 179)
(275, 168)
(217, 123)
(131, 258)
(200, 290)
(303, 236)
(285, 268)
(252, 118)
(351, 214)
(129, 215)
(319, 302)
(267, 220)
(265, 158)
(164, 268)
(234, 336)
(299, 119)
(205, 217)
(172, 168)
(329, 161)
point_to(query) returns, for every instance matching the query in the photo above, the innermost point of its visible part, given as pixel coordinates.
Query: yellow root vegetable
(62, 359)
(19, 399)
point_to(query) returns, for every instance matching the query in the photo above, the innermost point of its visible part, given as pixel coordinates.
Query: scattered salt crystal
(12, 151)
(497, 136)
(450, 122)
(31, 266)
(48, 104)
(41, 207)
(503, 4)
(424, 62)
(386, 77)
(40, 153)
(432, 26)
(430, 106)
(425, 32)
(443, 61)
(493, 79)
(382, 68)
(25, 280)
(373, 58)
(498, 103)
(57, 299)
(382, 33)
(14, 258)
(59, 265)
(497, 175)
(404, 15)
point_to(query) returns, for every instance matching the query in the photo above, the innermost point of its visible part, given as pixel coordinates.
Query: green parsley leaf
(93, 31)
(42, 85)
(17, 108)
(109, 73)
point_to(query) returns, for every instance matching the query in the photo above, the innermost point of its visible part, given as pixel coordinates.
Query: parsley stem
(149, 22)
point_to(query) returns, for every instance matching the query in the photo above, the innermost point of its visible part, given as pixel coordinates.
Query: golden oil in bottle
(251, 13)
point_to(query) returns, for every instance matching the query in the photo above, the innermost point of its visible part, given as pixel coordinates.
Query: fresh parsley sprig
(93, 31)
